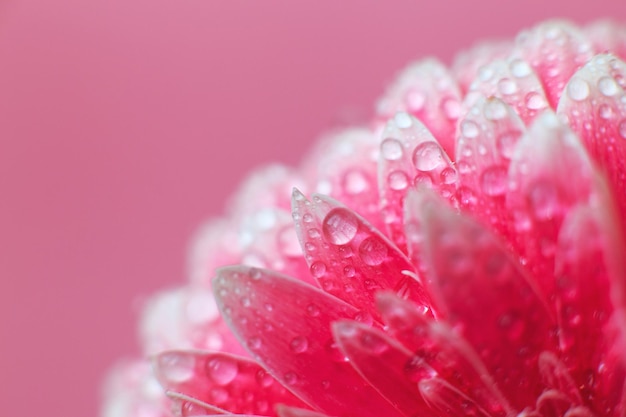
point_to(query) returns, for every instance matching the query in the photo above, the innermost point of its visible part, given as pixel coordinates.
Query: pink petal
(486, 298)
(349, 258)
(228, 382)
(448, 354)
(285, 325)
(595, 106)
(284, 411)
(555, 50)
(409, 155)
(387, 365)
(487, 136)
(607, 37)
(512, 81)
(549, 174)
(427, 91)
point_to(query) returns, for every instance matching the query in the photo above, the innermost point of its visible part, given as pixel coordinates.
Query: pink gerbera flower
(464, 256)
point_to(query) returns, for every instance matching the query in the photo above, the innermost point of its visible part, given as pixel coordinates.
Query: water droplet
(372, 343)
(605, 111)
(373, 251)
(423, 178)
(398, 180)
(349, 271)
(403, 120)
(466, 196)
(535, 101)
(578, 89)
(415, 101)
(469, 129)
(219, 395)
(263, 378)
(507, 86)
(340, 226)
(291, 378)
(307, 218)
(544, 200)
(176, 367)
(355, 182)
(255, 343)
(318, 269)
(448, 176)
(245, 301)
(495, 110)
(427, 156)
(325, 384)
(391, 149)
(312, 310)
(222, 370)
(298, 344)
(622, 129)
(314, 233)
(608, 86)
(513, 325)
(485, 73)
(451, 108)
(519, 68)
(506, 143)
(493, 180)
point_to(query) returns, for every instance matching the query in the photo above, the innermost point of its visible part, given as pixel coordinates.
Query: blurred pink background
(124, 124)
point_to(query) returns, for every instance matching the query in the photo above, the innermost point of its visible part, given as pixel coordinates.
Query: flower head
(463, 256)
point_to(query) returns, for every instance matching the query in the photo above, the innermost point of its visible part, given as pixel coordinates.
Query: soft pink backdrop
(124, 124)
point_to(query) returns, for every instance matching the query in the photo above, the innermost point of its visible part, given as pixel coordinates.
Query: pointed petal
(549, 174)
(185, 406)
(487, 298)
(448, 400)
(607, 37)
(385, 364)
(229, 382)
(595, 106)
(447, 353)
(512, 81)
(487, 136)
(349, 258)
(409, 155)
(555, 50)
(427, 91)
(468, 64)
(556, 376)
(285, 325)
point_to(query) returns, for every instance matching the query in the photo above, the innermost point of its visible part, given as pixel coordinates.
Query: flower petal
(409, 155)
(452, 359)
(387, 365)
(284, 411)
(486, 298)
(467, 65)
(448, 400)
(427, 91)
(349, 258)
(595, 106)
(285, 325)
(231, 383)
(555, 50)
(607, 37)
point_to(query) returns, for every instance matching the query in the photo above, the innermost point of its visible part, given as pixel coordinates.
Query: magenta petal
(350, 258)
(229, 382)
(446, 352)
(487, 298)
(388, 366)
(284, 411)
(285, 325)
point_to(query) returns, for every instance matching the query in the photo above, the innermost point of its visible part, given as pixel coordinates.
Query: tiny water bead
(578, 89)
(391, 149)
(340, 226)
(373, 251)
(403, 120)
(519, 68)
(469, 129)
(494, 180)
(428, 156)
(544, 200)
(177, 367)
(299, 344)
(318, 269)
(608, 86)
(222, 370)
(621, 129)
(398, 180)
(535, 101)
(507, 86)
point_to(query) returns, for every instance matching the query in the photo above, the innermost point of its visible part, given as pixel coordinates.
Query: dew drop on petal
(340, 226)
(398, 180)
(448, 176)
(222, 370)
(507, 86)
(312, 310)
(255, 343)
(534, 101)
(519, 68)
(506, 143)
(495, 110)
(578, 89)
(263, 378)
(219, 395)
(318, 269)
(291, 378)
(372, 343)
(544, 200)
(403, 120)
(605, 111)
(298, 344)
(427, 156)
(415, 100)
(451, 108)
(373, 251)
(622, 129)
(608, 86)
(391, 149)
(513, 325)
(469, 129)
(493, 181)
